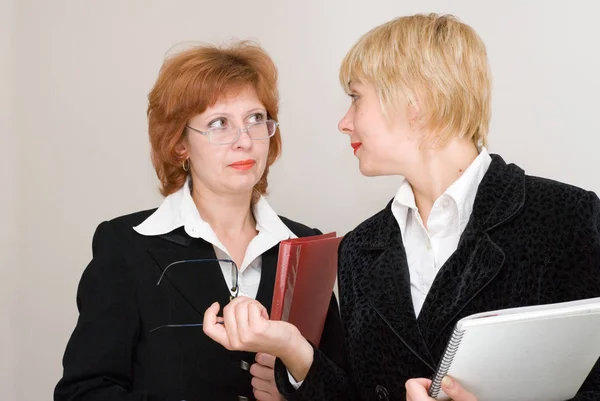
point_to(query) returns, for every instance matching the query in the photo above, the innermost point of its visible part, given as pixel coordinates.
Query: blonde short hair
(433, 61)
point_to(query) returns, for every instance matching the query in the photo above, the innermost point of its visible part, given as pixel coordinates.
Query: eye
(218, 123)
(257, 117)
(353, 96)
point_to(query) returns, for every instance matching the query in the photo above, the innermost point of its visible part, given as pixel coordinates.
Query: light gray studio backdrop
(74, 76)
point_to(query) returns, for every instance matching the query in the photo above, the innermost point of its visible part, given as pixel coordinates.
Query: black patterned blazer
(529, 241)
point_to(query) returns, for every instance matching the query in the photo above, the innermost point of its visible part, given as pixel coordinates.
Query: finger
(416, 389)
(229, 318)
(210, 314)
(263, 395)
(421, 382)
(259, 325)
(241, 320)
(263, 385)
(265, 313)
(265, 359)
(256, 317)
(262, 372)
(455, 391)
(212, 328)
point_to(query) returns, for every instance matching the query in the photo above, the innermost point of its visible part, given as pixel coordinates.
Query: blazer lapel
(383, 277)
(478, 259)
(468, 271)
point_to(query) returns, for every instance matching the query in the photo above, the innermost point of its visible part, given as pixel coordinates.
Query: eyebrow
(249, 112)
(352, 85)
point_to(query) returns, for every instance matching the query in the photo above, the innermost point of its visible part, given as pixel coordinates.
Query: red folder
(306, 272)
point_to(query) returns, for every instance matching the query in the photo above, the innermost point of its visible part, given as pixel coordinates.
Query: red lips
(243, 164)
(355, 146)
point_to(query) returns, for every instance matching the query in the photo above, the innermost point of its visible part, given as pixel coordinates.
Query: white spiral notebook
(532, 353)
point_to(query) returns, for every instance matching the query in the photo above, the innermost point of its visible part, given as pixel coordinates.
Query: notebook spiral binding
(446, 362)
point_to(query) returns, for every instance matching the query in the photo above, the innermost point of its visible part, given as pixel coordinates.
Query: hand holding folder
(306, 273)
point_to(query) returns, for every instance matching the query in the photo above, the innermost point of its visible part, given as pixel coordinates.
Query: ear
(414, 114)
(182, 150)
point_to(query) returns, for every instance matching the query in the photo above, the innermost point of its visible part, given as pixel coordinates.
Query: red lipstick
(355, 146)
(243, 165)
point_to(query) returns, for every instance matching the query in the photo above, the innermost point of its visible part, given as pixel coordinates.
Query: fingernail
(447, 382)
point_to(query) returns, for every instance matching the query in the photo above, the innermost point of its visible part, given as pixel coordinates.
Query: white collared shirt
(427, 249)
(179, 210)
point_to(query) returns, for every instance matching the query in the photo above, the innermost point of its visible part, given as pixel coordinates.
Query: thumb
(455, 391)
(211, 326)
(211, 312)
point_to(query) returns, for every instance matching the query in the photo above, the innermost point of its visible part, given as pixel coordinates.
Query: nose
(346, 124)
(244, 141)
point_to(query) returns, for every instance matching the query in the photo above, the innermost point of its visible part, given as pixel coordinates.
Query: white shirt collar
(462, 191)
(179, 210)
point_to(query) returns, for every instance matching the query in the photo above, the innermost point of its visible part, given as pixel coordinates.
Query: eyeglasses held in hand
(235, 288)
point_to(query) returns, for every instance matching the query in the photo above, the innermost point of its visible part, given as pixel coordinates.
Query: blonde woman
(465, 233)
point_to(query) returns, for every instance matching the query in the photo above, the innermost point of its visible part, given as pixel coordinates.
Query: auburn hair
(194, 79)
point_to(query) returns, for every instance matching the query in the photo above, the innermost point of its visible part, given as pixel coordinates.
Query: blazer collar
(499, 197)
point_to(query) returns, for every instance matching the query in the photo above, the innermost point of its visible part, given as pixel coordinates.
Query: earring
(185, 165)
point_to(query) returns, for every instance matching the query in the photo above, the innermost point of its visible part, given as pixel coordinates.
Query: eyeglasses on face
(256, 131)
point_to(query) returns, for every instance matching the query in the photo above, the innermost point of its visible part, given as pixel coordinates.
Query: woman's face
(234, 168)
(383, 146)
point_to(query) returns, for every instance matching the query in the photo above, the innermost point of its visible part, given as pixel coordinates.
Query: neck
(225, 213)
(437, 169)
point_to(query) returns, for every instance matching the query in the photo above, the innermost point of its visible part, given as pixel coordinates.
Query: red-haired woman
(213, 129)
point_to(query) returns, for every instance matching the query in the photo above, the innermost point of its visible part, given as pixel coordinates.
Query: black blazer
(529, 241)
(113, 356)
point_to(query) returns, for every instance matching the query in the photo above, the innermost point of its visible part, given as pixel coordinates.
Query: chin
(242, 186)
(368, 171)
